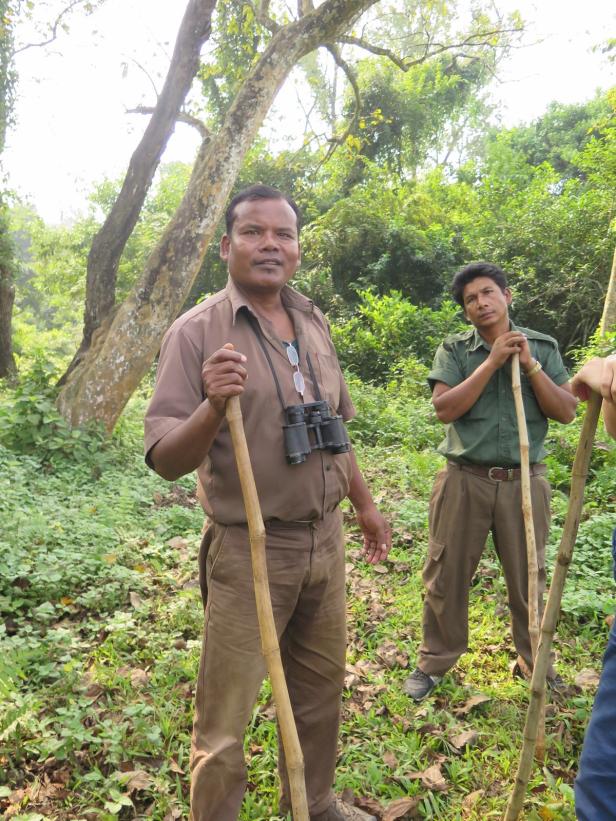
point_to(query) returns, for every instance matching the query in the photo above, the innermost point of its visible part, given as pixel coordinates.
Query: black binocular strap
(254, 324)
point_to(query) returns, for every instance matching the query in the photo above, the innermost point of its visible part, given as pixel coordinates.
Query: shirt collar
(477, 341)
(290, 298)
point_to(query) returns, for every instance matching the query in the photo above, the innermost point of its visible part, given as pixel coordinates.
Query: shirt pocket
(531, 407)
(486, 404)
(329, 379)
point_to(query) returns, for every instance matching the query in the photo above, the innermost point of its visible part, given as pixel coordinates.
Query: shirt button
(328, 467)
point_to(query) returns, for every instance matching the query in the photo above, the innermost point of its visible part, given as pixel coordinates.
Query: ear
(225, 242)
(299, 256)
(508, 296)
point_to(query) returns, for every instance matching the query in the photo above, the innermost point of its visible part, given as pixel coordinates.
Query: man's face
(485, 304)
(262, 252)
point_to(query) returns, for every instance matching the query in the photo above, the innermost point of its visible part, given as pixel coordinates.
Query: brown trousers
(464, 508)
(306, 575)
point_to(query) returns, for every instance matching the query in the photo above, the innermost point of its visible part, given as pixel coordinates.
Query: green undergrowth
(101, 619)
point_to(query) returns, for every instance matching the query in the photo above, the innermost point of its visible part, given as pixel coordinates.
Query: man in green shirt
(479, 491)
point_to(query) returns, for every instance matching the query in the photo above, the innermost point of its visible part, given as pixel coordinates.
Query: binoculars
(312, 427)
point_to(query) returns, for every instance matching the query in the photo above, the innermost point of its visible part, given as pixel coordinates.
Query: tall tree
(51, 19)
(267, 47)
(110, 241)
(7, 287)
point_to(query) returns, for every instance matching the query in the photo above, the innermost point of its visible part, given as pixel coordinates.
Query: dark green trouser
(464, 508)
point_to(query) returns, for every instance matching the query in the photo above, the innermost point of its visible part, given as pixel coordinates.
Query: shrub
(389, 329)
(30, 423)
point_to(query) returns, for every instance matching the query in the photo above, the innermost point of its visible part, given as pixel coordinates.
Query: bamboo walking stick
(267, 627)
(579, 474)
(529, 529)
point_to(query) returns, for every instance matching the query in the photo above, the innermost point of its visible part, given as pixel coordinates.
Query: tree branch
(430, 48)
(183, 117)
(147, 74)
(304, 7)
(54, 28)
(352, 78)
(262, 16)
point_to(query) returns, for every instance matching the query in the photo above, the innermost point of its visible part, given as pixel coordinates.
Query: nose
(269, 240)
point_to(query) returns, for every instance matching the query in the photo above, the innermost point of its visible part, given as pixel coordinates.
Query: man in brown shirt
(261, 340)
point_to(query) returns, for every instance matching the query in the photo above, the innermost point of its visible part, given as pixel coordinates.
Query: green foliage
(100, 635)
(383, 237)
(238, 39)
(407, 117)
(550, 227)
(397, 412)
(30, 424)
(8, 76)
(387, 330)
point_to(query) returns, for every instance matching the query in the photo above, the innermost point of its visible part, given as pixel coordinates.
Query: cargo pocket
(433, 569)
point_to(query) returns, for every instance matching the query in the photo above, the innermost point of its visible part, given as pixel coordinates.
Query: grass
(100, 639)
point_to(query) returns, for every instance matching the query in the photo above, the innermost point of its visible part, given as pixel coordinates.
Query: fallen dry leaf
(175, 767)
(391, 760)
(135, 780)
(432, 778)
(467, 738)
(400, 808)
(471, 799)
(135, 600)
(470, 704)
(139, 677)
(587, 678)
(178, 542)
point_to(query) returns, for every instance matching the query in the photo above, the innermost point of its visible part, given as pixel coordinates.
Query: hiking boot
(339, 810)
(419, 684)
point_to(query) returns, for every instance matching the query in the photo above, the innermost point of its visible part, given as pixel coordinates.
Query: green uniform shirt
(487, 434)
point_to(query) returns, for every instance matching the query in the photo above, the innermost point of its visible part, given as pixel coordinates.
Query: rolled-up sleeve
(445, 367)
(179, 389)
(553, 365)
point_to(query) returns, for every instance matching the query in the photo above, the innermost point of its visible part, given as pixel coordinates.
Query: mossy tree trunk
(110, 241)
(126, 341)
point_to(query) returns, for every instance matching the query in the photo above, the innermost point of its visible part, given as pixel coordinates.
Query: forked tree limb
(267, 626)
(563, 560)
(529, 530)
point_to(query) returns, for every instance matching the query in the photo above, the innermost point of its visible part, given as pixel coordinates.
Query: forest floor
(101, 631)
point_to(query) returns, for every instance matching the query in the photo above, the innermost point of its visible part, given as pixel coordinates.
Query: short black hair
(258, 192)
(474, 271)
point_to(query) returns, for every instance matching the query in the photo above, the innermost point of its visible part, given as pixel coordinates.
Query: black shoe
(419, 684)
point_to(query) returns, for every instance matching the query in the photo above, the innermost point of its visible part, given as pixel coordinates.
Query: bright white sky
(72, 128)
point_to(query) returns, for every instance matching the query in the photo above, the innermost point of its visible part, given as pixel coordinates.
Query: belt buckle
(495, 478)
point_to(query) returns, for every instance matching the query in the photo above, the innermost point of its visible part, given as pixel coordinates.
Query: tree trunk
(608, 320)
(109, 242)
(126, 343)
(7, 297)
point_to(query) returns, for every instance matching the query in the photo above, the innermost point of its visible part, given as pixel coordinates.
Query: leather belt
(498, 474)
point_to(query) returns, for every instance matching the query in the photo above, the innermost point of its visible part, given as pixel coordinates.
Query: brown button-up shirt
(306, 491)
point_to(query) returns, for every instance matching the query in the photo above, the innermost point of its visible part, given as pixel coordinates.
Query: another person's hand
(223, 376)
(377, 534)
(598, 375)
